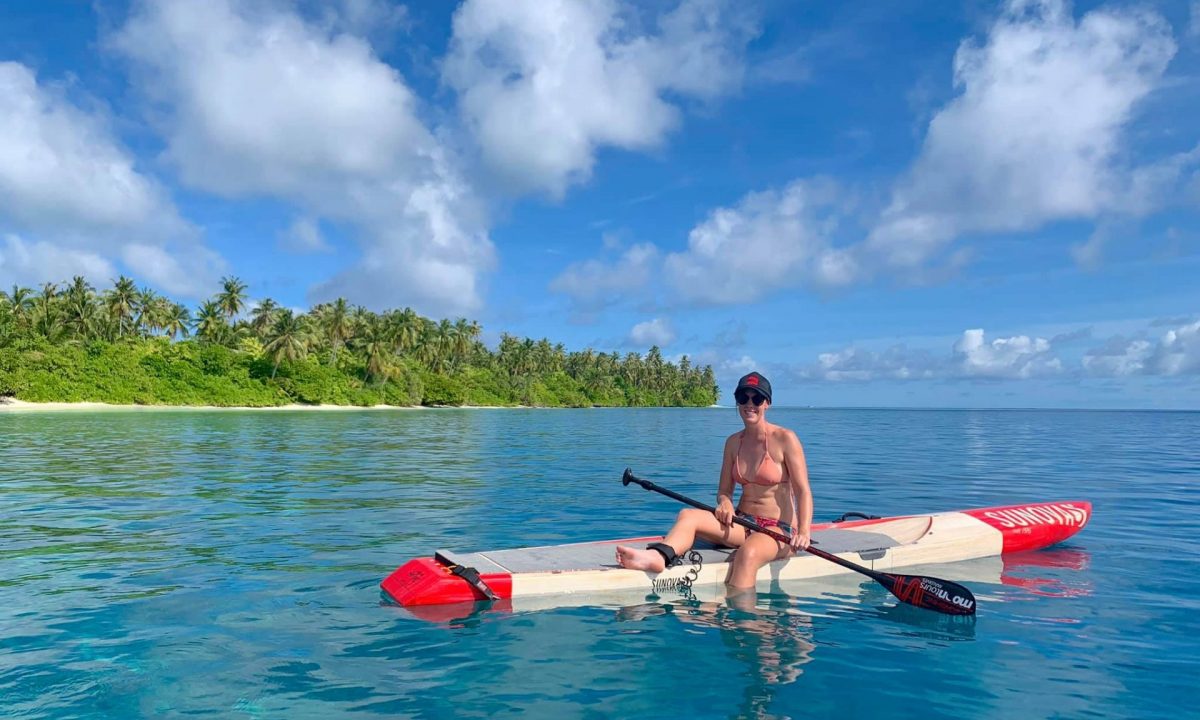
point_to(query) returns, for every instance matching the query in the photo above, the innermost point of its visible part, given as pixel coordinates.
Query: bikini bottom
(766, 522)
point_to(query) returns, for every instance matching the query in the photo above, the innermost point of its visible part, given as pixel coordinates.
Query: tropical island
(69, 343)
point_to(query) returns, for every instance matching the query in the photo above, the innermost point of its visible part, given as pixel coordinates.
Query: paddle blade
(930, 593)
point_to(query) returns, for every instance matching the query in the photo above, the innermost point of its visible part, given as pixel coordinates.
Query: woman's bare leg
(756, 551)
(689, 525)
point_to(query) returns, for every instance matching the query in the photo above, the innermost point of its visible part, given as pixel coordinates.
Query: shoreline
(12, 405)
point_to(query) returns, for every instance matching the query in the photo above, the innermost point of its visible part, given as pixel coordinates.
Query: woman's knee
(691, 517)
(754, 554)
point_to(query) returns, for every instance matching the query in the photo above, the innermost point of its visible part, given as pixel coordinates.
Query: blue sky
(965, 204)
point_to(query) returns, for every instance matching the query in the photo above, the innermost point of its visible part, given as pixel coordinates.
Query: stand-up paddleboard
(534, 576)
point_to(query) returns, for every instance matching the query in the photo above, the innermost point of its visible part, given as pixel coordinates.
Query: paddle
(924, 592)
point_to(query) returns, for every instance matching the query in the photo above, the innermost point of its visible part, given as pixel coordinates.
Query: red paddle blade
(930, 593)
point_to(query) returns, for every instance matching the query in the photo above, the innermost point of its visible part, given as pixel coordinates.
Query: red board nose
(1035, 525)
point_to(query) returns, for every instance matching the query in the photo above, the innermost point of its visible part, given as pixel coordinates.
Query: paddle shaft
(926, 592)
(744, 522)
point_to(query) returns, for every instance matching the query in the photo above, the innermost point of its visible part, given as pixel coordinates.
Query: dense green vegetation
(129, 345)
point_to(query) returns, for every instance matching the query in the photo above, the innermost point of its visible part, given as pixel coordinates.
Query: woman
(768, 462)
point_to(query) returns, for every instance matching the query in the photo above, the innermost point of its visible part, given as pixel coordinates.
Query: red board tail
(425, 581)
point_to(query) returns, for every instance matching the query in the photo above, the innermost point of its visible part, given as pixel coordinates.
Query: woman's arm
(801, 493)
(724, 510)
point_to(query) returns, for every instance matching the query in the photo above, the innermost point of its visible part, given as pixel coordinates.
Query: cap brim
(754, 388)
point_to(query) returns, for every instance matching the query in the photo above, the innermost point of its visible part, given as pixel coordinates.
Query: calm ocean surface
(227, 564)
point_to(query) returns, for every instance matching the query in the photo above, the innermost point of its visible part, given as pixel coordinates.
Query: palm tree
(432, 348)
(287, 341)
(47, 313)
(544, 358)
(7, 325)
(376, 342)
(654, 369)
(79, 288)
(210, 322)
(338, 327)
(151, 312)
(80, 316)
(405, 329)
(263, 316)
(461, 339)
(232, 300)
(19, 303)
(176, 320)
(120, 303)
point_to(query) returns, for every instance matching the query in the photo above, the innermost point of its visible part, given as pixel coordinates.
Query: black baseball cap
(755, 382)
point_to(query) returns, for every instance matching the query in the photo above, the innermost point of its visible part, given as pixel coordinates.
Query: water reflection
(917, 622)
(467, 613)
(1048, 573)
(763, 631)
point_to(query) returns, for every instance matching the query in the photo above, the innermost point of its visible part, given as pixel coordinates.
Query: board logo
(683, 585)
(669, 584)
(1053, 514)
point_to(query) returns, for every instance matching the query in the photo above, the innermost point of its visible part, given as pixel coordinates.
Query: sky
(954, 204)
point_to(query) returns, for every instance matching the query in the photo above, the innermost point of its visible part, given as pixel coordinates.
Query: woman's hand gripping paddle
(924, 592)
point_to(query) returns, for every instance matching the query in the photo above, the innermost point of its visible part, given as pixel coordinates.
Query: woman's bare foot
(635, 559)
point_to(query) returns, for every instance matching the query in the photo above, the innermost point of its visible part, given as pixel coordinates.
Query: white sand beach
(11, 405)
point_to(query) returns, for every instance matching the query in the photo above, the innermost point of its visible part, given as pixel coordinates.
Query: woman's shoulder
(784, 435)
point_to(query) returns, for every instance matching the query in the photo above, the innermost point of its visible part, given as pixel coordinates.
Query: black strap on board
(470, 574)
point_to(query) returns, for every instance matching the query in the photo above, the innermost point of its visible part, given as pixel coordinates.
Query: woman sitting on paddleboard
(768, 462)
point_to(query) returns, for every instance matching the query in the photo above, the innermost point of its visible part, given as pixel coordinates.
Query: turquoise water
(226, 564)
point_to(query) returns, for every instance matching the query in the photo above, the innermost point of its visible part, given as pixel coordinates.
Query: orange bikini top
(767, 474)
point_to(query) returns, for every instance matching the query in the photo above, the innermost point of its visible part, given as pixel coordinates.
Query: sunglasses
(744, 397)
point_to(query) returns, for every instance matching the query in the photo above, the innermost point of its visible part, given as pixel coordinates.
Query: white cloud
(266, 105)
(1176, 352)
(543, 84)
(364, 18)
(1013, 357)
(67, 181)
(189, 271)
(652, 332)
(60, 167)
(1036, 134)
(594, 283)
(725, 367)
(971, 357)
(30, 264)
(1088, 254)
(1118, 357)
(254, 101)
(859, 364)
(769, 240)
(1153, 185)
(304, 236)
